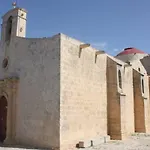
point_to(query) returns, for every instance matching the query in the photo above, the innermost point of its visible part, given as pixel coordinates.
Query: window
(5, 63)
(139, 69)
(142, 85)
(120, 79)
(8, 29)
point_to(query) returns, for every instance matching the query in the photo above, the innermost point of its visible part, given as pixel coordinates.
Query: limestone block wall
(139, 109)
(120, 100)
(83, 101)
(128, 100)
(18, 23)
(36, 62)
(147, 103)
(113, 101)
(137, 65)
(145, 61)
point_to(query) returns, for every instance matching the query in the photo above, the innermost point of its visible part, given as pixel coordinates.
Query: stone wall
(120, 100)
(83, 103)
(128, 101)
(141, 102)
(137, 66)
(36, 62)
(145, 61)
(113, 101)
(147, 103)
(65, 96)
(139, 109)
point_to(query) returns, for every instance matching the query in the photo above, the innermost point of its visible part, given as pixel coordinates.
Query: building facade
(61, 93)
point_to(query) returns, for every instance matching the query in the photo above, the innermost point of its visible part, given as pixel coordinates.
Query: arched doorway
(3, 118)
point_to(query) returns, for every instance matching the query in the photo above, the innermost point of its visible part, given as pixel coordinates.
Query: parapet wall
(83, 102)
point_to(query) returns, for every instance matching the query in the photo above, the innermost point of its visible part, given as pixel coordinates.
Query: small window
(21, 29)
(142, 85)
(120, 79)
(139, 69)
(5, 63)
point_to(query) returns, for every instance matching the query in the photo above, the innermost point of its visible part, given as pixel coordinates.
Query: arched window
(8, 29)
(142, 85)
(120, 79)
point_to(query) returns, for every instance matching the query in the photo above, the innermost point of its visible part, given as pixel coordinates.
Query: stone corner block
(84, 144)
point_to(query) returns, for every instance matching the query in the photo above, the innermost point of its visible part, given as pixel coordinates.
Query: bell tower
(13, 24)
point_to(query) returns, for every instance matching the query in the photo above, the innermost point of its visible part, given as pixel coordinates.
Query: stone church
(61, 93)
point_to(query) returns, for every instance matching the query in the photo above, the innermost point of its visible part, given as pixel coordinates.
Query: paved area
(138, 142)
(141, 142)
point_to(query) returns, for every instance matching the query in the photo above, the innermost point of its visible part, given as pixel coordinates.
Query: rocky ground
(136, 142)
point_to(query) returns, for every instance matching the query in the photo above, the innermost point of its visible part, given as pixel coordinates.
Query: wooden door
(3, 118)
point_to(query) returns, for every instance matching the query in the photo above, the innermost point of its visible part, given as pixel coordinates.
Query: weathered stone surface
(83, 103)
(67, 93)
(84, 144)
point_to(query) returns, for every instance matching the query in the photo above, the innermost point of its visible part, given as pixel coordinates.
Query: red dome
(130, 50)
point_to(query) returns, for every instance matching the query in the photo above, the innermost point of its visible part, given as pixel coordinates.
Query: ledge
(122, 94)
(119, 64)
(144, 97)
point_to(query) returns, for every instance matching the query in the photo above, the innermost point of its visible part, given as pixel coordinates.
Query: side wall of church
(37, 64)
(83, 102)
(145, 61)
(128, 100)
(113, 101)
(136, 65)
(147, 103)
(139, 108)
(120, 100)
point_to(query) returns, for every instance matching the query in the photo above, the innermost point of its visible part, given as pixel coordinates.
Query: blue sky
(110, 25)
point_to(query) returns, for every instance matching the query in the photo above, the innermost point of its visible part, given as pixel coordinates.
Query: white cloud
(116, 50)
(104, 46)
(99, 45)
